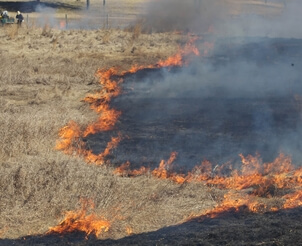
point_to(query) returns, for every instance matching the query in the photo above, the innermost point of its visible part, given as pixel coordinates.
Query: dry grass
(11, 31)
(45, 74)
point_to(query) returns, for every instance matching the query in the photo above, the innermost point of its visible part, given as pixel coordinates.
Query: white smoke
(46, 16)
(274, 18)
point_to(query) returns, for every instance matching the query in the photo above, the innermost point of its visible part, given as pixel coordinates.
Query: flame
(100, 158)
(237, 201)
(71, 135)
(62, 24)
(234, 201)
(253, 174)
(129, 230)
(293, 200)
(258, 176)
(260, 179)
(3, 231)
(78, 221)
(122, 170)
(68, 135)
(105, 122)
(176, 60)
(162, 170)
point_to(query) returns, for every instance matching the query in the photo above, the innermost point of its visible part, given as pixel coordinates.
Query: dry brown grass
(45, 74)
(11, 31)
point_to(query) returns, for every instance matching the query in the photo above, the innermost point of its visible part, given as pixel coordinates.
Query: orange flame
(70, 136)
(255, 175)
(176, 60)
(100, 158)
(129, 230)
(105, 122)
(78, 221)
(293, 200)
(262, 179)
(3, 231)
(62, 24)
(162, 170)
(122, 170)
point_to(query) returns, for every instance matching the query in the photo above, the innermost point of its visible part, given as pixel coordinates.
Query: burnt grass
(231, 228)
(216, 125)
(216, 128)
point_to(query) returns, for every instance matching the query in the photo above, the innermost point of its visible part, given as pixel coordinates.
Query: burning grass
(43, 82)
(41, 90)
(260, 179)
(78, 221)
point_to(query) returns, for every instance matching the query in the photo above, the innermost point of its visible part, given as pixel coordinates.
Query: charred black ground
(244, 98)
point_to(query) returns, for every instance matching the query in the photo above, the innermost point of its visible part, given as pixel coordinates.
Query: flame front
(261, 179)
(68, 135)
(247, 186)
(78, 221)
(71, 135)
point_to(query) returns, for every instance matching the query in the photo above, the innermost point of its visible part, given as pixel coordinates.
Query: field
(46, 72)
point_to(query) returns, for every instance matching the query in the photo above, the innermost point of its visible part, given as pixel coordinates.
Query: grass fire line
(247, 187)
(71, 135)
(79, 221)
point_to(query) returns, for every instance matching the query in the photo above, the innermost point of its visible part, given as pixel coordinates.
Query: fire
(129, 230)
(122, 170)
(78, 221)
(3, 231)
(105, 122)
(71, 135)
(162, 170)
(247, 186)
(260, 179)
(176, 60)
(293, 200)
(253, 174)
(234, 201)
(62, 24)
(100, 158)
(68, 135)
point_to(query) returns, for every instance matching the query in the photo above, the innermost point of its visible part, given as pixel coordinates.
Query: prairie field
(46, 72)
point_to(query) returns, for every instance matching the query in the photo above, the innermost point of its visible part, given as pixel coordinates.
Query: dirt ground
(45, 74)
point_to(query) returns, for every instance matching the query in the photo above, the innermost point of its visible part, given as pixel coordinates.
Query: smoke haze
(243, 97)
(275, 18)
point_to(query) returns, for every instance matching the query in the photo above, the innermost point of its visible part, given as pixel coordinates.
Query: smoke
(278, 18)
(93, 18)
(46, 16)
(243, 97)
(273, 18)
(176, 15)
(239, 99)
